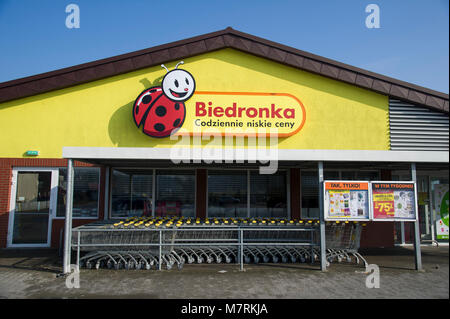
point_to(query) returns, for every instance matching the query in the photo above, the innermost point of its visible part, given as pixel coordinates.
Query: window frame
(98, 192)
(154, 171)
(248, 173)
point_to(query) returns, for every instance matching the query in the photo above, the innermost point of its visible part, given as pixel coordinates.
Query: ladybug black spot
(159, 127)
(160, 110)
(177, 106)
(147, 99)
(176, 122)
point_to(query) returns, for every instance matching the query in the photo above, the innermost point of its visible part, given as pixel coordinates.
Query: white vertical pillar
(323, 261)
(68, 220)
(418, 256)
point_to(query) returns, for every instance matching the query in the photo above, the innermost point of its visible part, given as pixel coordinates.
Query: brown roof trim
(228, 38)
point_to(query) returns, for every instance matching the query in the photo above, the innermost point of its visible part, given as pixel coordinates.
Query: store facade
(241, 129)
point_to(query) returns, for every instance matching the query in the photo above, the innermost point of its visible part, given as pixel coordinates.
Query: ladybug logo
(161, 109)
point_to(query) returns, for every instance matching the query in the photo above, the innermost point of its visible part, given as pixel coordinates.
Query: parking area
(34, 274)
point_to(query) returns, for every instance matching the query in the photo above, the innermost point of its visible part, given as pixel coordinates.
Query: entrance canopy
(196, 155)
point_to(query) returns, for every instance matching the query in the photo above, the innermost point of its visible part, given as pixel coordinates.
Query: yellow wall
(99, 114)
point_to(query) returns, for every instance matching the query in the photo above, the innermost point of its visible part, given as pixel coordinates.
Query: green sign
(441, 206)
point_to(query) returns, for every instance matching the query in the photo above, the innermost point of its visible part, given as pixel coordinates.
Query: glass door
(440, 201)
(32, 205)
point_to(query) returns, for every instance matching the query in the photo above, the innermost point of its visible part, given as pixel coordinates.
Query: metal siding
(414, 128)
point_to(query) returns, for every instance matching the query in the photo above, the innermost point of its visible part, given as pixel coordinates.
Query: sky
(411, 44)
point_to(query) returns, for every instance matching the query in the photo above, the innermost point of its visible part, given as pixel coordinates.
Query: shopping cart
(342, 242)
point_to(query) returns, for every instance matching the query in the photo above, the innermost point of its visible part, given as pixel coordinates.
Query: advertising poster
(346, 200)
(394, 201)
(441, 208)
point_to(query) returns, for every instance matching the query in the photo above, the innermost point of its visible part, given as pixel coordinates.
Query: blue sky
(412, 43)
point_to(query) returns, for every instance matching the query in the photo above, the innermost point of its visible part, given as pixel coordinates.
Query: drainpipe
(68, 220)
(323, 261)
(418, 256)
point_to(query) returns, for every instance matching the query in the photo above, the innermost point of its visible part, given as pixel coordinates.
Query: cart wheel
(180, 266)
(284, 260)
(246, 259)
(293, 259)
(227, 260)
(89, 265)
(266, 259)
(256, 259)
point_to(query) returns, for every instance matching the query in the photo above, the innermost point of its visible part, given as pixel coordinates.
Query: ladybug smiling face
(161, 110)
(178, 85)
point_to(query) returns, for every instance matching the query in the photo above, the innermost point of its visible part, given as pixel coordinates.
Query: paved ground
(33, 274)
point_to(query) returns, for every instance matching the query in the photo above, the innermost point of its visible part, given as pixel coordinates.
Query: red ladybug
(161, 110)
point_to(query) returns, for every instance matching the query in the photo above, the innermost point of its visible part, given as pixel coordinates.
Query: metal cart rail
(154, 243)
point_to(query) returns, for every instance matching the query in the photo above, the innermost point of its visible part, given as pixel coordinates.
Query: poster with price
(394, 201)
(346, 200)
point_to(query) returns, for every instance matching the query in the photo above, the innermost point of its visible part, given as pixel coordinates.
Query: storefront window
(227, 193)
(85, 192)
(439, 197)
(131, 193)
(310, 194)
(268, 195)
(175, 193)
(359, 175)
(431, 189)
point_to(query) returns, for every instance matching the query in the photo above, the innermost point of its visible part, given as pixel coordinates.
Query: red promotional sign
(393, 201)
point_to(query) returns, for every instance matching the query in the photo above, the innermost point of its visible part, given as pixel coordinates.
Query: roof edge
(226, 38)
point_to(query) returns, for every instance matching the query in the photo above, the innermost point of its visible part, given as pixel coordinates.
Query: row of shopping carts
(167, 243)
(167, 222)
(178, 257)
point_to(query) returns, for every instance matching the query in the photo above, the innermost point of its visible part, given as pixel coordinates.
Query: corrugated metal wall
(416, 128)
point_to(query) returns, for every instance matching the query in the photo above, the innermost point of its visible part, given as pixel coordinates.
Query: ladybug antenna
(181, 62)
(162, 65)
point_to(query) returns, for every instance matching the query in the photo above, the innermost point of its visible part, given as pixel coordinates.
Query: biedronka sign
(175, 108)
